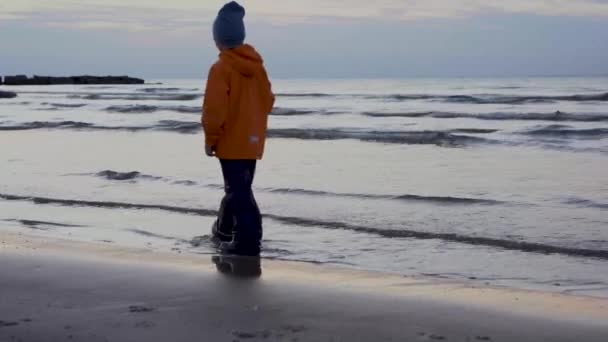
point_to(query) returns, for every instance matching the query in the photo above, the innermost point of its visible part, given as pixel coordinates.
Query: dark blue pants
(239, 215)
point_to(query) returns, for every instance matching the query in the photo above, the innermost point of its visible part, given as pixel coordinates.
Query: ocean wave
(163, 125)
(277, 111)
(198, 109)
(137, 97)
(568, 132)
(114, 175)
(33, 125)
(36, 224)
(139, 109)
(439, 138)
(107, 204)
(178, 94)
(163, 90)
(184, 127)
(474, 130)
(146, 233)
(522, 246)
(136, 175)
(494, 98)
(21, 103)
(556, 116)
(192, 183)
(291, 111)
(305, 95)
(122, 176)
(506, 87)
(101, 87)
(560, 146)
(64, 105)
(132, 96)
(507, 244)
(60, 106)
(586, 203)
(445, 200)
(466, 98)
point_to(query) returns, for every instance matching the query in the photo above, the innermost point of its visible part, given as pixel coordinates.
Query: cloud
(189, 14)
(131, 15)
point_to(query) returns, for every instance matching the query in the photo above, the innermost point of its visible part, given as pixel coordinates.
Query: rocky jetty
(7, 94)
(85, 79)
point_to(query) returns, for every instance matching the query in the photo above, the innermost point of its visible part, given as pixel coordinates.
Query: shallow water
(501, 181)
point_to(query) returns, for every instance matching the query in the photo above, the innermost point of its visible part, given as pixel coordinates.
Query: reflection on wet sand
(238, 266)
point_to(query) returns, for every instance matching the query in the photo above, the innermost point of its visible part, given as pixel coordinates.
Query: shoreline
(302, 271)
(91, 287)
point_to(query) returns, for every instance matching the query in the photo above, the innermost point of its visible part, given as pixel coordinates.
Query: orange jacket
(237, 102)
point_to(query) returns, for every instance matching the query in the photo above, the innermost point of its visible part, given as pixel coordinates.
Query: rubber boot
(217, 236)
(247, 239)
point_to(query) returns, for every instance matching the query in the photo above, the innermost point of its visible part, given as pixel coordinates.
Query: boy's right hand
(210, 151)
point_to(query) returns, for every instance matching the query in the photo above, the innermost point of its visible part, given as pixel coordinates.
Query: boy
(237, 102)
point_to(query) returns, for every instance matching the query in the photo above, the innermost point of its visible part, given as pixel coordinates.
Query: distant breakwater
(50, 80)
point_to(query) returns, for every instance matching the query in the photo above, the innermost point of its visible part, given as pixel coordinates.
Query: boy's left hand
(210, 151)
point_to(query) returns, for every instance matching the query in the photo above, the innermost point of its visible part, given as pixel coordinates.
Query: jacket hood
(244, 59)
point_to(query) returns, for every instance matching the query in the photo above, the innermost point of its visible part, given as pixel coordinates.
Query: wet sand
(54, 290)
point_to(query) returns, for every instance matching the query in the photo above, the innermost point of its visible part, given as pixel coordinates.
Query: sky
(310, 39)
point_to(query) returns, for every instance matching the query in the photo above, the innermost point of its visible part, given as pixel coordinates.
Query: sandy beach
(58, 290)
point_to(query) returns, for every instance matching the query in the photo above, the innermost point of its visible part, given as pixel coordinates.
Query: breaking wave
(138, 109)
(137, 97)
(507, 244)
(586, 203)
(36, 224)
(439, 138)
(162, 90)
(178, 94)
(471, 99)
(292, 112)
(305, 95)
(33, 125)
(121, 176)
(132, 96)
(64, 105)
(556, 116)
(163, 125)
(494, 99)
(443, 200)
(561, 131)
(446, 200)
(154, 235)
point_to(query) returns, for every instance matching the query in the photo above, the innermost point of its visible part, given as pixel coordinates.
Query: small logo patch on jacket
(254, 139)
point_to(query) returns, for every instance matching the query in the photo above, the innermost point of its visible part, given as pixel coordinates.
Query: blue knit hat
(229, 28)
